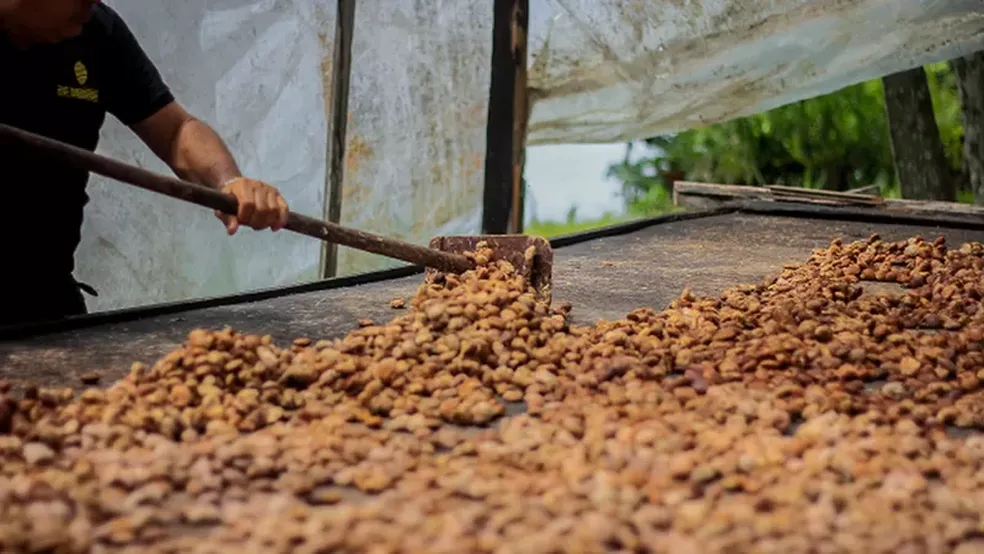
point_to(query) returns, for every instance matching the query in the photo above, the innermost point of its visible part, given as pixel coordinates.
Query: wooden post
(341, 70)
(521, 117)
(507, 120)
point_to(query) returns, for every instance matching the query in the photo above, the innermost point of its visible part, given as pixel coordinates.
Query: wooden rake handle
(226, 203)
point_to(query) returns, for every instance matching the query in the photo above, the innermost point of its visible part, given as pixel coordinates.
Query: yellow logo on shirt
(80, 92)
(81, 73)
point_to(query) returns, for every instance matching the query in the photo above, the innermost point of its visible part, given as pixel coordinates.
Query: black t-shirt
(63, 91)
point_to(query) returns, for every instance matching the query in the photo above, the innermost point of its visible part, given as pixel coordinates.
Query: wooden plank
(824, 193)
(829, 200)
(867, 189)
(775, 193)
(698, 202)
(819, 201)
(728, 191)
(899, 204)
(702, 195)
(768, 191)
(341, 71)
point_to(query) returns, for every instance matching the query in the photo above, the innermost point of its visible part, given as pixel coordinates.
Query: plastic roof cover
(616, 70)
(601, 70)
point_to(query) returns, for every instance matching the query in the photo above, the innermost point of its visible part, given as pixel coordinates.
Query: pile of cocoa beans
(802, 414)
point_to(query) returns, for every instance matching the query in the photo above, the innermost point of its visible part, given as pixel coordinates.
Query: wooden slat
(934, 206)
(702, 195)
(780, 197)
(730, 191)
(830, 200)
(824, 193)
(769, 193)
(867, 189)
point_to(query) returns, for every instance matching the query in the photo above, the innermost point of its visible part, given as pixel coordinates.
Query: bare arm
(189, 146)
(197, 154)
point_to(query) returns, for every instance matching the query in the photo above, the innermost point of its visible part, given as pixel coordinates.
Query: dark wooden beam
(341, 69)
(507, 120)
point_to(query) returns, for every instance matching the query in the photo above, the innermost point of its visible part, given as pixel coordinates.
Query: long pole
(227, 203)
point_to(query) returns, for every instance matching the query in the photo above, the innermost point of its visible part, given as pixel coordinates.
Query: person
(65, 65)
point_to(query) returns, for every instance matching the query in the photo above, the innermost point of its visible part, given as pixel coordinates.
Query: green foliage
(946, 106)
(836, 142)
(965, 196)
(551, 229)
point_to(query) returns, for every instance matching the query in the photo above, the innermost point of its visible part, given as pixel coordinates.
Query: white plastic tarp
(600, 70)
(253, 71)
(618, 70)
(415, 156)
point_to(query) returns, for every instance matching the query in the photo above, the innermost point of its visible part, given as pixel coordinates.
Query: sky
(561, 176)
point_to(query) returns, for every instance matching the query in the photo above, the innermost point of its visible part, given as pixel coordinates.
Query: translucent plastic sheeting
(418, 104)
(252, 69)
(259, 73)
(617, 70)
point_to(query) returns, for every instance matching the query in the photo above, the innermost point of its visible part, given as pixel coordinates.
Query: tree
(970, 78)
(838, 141)
(920, 161)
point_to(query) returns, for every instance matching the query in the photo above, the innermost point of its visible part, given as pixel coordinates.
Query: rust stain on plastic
(326, 74)
(357, 151)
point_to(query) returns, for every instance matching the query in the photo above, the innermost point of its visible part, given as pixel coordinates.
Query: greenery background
(837, 142)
